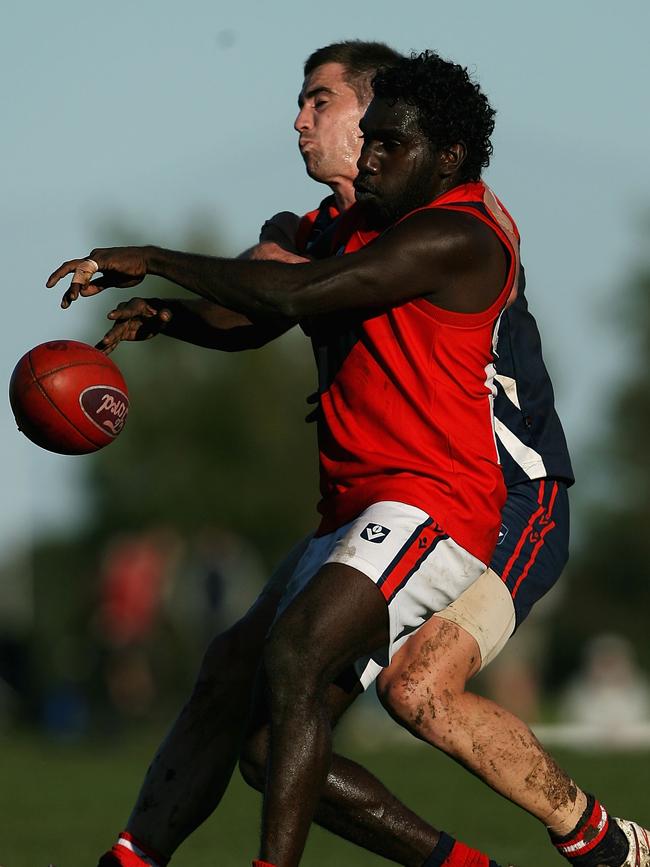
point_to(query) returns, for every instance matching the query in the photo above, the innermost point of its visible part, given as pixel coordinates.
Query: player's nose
(303, 120)
(367, 164)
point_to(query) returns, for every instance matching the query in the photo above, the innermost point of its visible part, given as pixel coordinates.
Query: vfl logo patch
(374, 533)
(503, 532)
(106, 407)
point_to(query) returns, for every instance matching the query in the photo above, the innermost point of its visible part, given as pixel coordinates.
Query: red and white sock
(595, 839)
(129, 852)
(451, 853)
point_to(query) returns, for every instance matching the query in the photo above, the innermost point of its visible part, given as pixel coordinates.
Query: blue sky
(152, 114)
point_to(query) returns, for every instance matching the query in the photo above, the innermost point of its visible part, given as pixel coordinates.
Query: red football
(68, 397)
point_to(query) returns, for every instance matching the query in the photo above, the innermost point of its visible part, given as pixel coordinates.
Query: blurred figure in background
(610, 693)
(222, 574)
(136, 574)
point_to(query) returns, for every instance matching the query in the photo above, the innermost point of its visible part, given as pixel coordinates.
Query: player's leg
(356, 806)
(424, 688)
(338, 617)
(426, 693)
(193, 766)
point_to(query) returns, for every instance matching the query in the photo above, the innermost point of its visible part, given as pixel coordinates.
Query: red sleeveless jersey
(406, 399)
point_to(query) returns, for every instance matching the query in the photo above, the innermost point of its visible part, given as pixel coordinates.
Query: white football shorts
(419, 569)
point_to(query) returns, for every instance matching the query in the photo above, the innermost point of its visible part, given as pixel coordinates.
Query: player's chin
(313, 167)
(371, 205)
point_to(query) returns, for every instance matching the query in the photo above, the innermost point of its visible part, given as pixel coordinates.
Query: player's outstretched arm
(197, 321)
(450, 257)
(192, 320)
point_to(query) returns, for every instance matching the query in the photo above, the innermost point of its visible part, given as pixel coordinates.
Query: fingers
(120, 266)
(67, 268)
(119, 332)
(129, 309)
(139, 307)
(83, 272)
(136, 319)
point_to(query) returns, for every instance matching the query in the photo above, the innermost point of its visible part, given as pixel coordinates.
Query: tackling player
(444, 628)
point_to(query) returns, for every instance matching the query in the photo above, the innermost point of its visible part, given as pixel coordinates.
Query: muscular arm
(450, 257)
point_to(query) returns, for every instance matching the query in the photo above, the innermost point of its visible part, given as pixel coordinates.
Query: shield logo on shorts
(503, 532)
(374, 533)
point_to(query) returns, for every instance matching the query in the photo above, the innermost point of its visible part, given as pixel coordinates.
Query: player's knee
(392, 695)
(423, 709)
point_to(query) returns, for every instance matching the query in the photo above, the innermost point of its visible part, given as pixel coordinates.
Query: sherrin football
(68, 397)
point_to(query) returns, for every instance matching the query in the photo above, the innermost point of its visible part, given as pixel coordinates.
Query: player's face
(397, 165)
(328, 124)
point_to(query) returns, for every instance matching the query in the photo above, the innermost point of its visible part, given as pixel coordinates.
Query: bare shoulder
(463, 259)
(457, 232)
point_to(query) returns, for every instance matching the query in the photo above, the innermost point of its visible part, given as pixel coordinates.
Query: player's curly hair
(451, 107)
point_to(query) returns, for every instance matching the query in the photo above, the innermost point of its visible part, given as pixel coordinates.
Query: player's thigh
(528, 560)
(485, 612)
(414, 565)
(339, 615)
(533, 545)
(417, 566)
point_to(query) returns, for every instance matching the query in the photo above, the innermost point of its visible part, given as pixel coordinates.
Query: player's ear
(452, 157)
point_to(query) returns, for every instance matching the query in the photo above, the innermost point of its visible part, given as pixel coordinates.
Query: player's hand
(120, 267)
(269, 250)
(137, 319)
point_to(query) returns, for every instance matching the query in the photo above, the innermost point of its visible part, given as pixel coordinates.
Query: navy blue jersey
(529, 433)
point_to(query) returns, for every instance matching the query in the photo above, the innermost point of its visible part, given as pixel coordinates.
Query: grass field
(64, 804)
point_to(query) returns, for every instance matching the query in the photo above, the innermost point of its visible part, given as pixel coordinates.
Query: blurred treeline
(607, 583)
(213, 480)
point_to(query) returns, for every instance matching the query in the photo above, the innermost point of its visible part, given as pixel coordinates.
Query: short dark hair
(360, 59)
(450, 106)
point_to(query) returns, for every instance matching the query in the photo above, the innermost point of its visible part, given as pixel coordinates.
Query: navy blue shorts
(533, 544)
